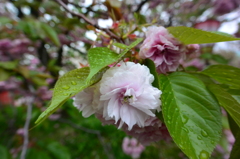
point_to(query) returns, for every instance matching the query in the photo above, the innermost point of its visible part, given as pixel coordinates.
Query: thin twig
(107, 148)
(81, 16)
(140, 6)
(26, 125)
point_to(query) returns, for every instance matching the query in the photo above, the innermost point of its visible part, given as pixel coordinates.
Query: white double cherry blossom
(125, 94)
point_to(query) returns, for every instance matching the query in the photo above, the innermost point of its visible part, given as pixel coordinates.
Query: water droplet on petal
(204, 154)
(204, 133)
(73, 83)
(66, 94)
(65, 87)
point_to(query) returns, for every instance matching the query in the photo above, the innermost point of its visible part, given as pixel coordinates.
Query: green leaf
(235, 153)
(30, 28)
(141, 19)
(215, 57)
(4, 154)
(227, 101)
(150, 64)
(224, 74)
(67, 86)
(36, 154)
(101, 57)
(132, 45)
(195, 36)
(4, 20)
(204, 78)
(191, 113)
(59, 151)
(233, 125)
(120, 45)
(10, 65)
(50, 33)
(4, 75)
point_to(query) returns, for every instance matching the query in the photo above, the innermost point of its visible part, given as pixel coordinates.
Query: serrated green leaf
(204, 78)
(101, 57)
(224, 74)
(191, 113)
(50, 33)
(67, 86)
(235, 153)
(227, 101)
(195, 36)
(120, 45)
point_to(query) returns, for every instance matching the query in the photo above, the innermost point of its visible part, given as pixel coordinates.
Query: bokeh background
(40, 41)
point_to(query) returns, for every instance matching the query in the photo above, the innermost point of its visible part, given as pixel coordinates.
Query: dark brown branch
(81, 16)
(141, 5)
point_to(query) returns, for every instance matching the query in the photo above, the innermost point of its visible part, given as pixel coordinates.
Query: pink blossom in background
(127, 94)
(162, 48)
(44, 93)
(208, 25)
(225, 6)
(153, 131)
(5, 44)
(198, 63)
(21, 131)
(192, 48)
(132, 147)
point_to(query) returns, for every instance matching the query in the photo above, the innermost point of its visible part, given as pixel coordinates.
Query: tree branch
(81, 16)
(26, 125)
(141, 5)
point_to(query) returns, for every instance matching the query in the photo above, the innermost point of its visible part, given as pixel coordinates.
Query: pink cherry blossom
(132, 147)
(152, 131)
(208, 25)
(162, 48)
(84, 101)
(127, 96)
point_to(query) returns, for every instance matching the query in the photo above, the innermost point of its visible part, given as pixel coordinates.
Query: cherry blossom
(127, 94)
(162, 48)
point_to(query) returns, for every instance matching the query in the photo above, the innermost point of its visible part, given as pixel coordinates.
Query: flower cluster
(125, 96)
(132, 147)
